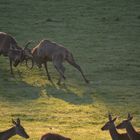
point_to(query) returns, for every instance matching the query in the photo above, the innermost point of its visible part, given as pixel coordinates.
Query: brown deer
(132, 133)
(16, 129)
(52, 136)
(112, 129)
(10, 48)
(47, 50)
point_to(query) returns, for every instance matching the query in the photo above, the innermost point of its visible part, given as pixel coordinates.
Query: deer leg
(46, 68)
(11, 69)
(73, 63)
(60, 68)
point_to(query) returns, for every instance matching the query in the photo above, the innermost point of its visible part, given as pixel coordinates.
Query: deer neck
(131, 131)
(114, 134)
(7, 134)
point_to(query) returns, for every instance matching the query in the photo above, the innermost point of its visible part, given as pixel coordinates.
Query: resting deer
(112, 129)
(49, 51)
(51, 136)
(132, 133)
(16, 129)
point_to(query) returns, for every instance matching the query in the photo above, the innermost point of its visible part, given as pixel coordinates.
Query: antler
(27, 44)
(14, 122)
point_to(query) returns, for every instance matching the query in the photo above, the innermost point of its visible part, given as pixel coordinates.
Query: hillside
(104, 37)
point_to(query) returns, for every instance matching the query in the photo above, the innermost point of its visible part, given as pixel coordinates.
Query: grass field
(104, 37)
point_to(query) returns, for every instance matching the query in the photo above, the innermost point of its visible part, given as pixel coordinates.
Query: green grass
(104, 38)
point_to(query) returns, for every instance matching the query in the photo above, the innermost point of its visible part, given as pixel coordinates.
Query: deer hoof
(87, 81)
(49, 79)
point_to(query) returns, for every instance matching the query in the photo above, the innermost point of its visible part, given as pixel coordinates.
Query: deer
(112, 130)
(47, 50)
(10, 48)
(126, 124)
(16, 129)
(53, 136)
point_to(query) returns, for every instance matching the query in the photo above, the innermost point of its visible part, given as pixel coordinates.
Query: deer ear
(18, 121)
(14, 122)
(27, 44)
(109, 117)
(114, 119)
(129, 116)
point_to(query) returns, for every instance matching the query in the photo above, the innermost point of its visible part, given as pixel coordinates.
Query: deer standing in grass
(47, 50)
(16, 129)
(51, 136)
(132, 133)
(112, 129)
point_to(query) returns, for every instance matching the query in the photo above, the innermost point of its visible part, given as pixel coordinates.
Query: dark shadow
(13, 89)
(65, 93)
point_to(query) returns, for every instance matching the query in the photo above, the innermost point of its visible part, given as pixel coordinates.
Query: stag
(112, 129)
(10, 49)
(51, 136)
(16, 129)
(47, 50)
(126, 124)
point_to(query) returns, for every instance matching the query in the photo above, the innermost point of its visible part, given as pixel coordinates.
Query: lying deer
(49, 51)
(10, 48)
(16, 129)
(51, 136)
(132, 133)
(112, 129)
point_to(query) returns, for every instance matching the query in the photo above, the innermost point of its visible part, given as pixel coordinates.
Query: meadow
(104, 37)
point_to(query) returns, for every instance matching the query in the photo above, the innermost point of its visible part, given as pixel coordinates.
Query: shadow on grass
(13, 89)
(69, 94)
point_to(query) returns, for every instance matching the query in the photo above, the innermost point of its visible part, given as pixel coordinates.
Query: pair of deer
(125, 124)
(19, 130)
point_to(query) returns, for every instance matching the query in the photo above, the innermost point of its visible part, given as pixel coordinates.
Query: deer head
(19, 129)
(125, 123)
(110, 124)
(16, 55)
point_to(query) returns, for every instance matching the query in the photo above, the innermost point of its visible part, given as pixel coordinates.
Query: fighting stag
(47, 50)
(10, 49)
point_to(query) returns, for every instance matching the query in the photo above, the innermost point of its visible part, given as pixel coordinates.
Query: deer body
(17, 129)
(132, 133)
(117, 136)
(49, 51)
(112, 130)
(50, 136)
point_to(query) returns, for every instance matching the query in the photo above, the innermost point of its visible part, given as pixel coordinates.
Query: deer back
(51, 136)
(6, 42)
